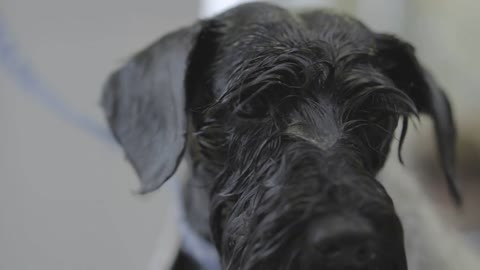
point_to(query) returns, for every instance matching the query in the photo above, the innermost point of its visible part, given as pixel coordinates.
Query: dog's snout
(343, 241)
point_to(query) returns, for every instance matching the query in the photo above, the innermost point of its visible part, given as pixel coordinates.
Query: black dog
(287, 119)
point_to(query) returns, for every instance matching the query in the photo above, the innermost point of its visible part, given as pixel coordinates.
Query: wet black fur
(288, 117)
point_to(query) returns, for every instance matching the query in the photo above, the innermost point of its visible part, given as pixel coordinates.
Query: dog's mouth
(261, 206)
(336, 242)
(344, 242)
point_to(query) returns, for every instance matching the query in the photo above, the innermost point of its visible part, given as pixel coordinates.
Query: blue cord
(28, 81)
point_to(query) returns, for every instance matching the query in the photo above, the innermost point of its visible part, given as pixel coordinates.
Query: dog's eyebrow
(361, 87)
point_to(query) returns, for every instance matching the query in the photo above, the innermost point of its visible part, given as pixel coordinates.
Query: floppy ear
(145, 105)
(397, 59)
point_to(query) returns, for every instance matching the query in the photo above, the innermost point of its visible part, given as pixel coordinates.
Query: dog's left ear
(145, 105)
(397, 59)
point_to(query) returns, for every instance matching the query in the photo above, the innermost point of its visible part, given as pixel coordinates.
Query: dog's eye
(380, 119)
(254, 108)
(376, 118)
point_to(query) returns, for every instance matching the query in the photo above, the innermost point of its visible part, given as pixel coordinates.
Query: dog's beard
(258, 219)
(271, 182)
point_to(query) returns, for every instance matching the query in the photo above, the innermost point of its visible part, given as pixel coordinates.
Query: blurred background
(67, 197)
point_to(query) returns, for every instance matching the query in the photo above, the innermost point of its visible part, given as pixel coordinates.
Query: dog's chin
(285, 263)
(386, 264)
(291, 256)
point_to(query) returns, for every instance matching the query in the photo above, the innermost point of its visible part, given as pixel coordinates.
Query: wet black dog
(287, 119)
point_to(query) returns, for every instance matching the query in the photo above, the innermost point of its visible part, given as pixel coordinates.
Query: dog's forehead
(273, 31)
(333, 25)
(281, 27)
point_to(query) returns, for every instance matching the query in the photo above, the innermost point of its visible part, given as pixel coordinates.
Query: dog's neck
(196, 204)
(200, 250)
(194, 222)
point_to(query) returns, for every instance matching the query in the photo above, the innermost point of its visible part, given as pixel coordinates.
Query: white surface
(429, 243)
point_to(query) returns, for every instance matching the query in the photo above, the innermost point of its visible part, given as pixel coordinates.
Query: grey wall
(66, 199)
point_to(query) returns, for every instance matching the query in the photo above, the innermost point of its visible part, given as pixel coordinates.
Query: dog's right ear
(398, 60)
(145, 105)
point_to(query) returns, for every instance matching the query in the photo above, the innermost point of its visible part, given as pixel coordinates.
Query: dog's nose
(343, 241)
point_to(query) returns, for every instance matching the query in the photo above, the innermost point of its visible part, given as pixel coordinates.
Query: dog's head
(292, 116)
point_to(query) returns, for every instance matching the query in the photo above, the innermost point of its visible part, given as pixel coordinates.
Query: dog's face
(292, 117)
(296, 140)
